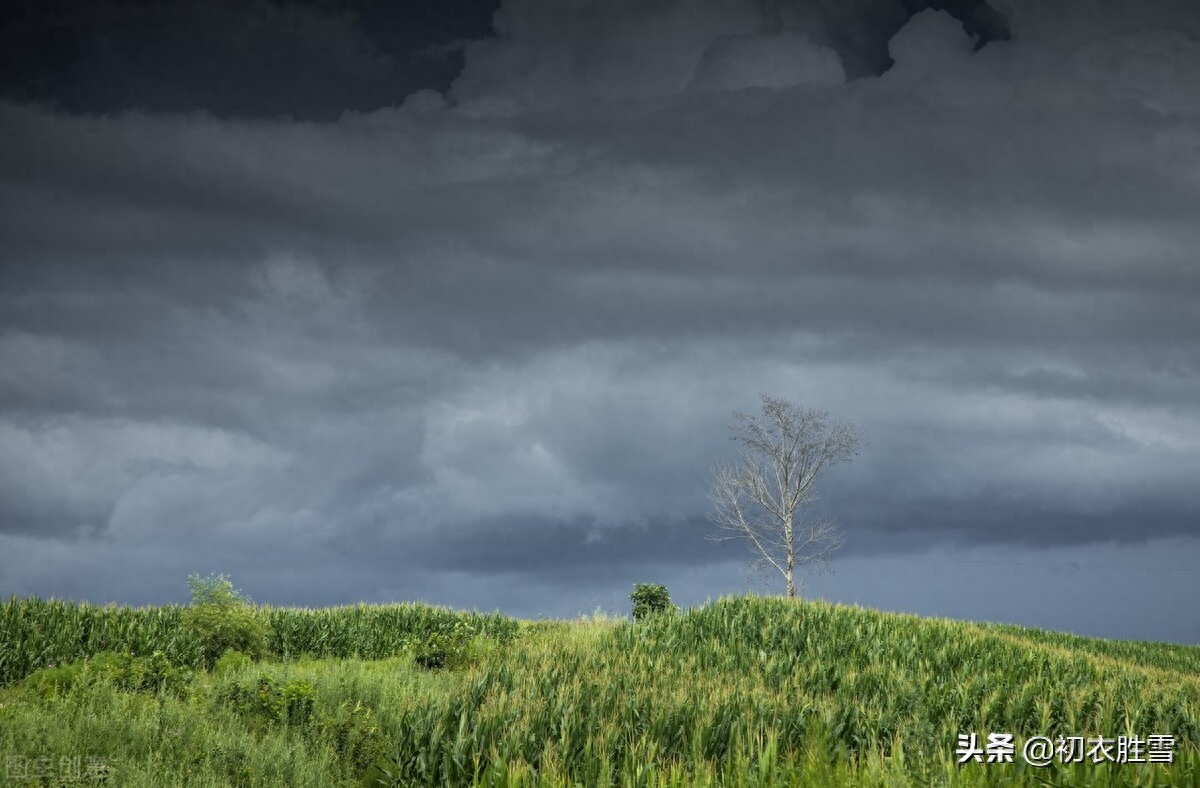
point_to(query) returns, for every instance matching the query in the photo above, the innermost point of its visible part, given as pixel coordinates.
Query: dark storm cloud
(254, 58)
(499, 334)
(313, 59)
(580, 549)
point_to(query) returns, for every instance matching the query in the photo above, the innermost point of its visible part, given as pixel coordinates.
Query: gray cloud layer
(307, 59)
(499, 334)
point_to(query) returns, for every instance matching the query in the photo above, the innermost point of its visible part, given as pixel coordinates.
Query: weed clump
(268, 700)
(54, 680)
(125, 671)
(231, 661)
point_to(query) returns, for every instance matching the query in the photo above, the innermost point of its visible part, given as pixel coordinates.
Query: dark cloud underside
(474, 333)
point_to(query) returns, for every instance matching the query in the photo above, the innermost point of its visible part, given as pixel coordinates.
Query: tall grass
(740, 692)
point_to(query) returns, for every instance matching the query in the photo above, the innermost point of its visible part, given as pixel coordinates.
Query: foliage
(55, 680)
(222, 618)
(267, 699)
(447, 647)
(355, 737)
(38, 633)
(163, 740)
(649, 598)
(215, 590)
(740, 692)
(153, 673)
(374, 631)
(126, 672)
(232, 661)
(801, 691)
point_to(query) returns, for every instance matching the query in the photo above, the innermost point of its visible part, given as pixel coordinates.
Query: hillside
(742, 691)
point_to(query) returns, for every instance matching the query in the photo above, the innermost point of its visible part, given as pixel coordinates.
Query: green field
(741, 692)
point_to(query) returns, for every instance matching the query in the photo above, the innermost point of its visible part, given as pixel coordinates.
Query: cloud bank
(492, 338)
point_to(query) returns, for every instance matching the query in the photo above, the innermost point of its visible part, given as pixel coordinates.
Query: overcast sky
(367, 302)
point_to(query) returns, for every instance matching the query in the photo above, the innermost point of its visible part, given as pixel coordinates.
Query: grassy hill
(742, 691)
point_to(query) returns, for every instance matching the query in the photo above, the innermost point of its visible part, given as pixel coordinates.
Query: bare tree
(761, 498)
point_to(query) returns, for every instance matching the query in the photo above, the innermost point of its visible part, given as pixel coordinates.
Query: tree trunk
(791, 556)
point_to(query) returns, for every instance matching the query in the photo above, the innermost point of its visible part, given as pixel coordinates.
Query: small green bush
(55, 680)
(130, 673)
(445, 648)
(266, 699)
(223, 618)
(231, 661)
(650, 598)
(124, 671)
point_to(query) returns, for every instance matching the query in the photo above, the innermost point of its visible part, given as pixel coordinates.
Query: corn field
(37, 633)
(739, 692)
(796, 684)
(371, 631)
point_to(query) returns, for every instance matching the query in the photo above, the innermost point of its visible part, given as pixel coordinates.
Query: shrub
(266, 699)
(127, 672)
(55, 680)
(650, 598)
(231, 662)
(124, 671)
(447, 647)
(223, 618)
